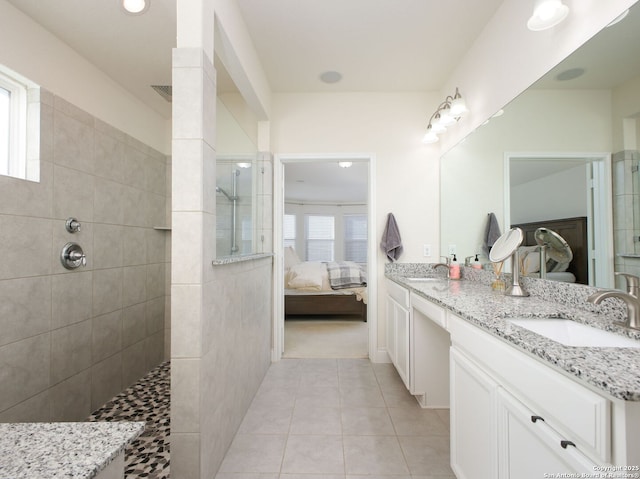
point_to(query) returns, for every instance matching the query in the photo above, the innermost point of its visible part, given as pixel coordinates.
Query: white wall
(391, 127)
(562, 195)
(32, 51)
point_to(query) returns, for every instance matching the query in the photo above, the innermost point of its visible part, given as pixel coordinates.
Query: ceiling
(326, 182)
(377, 45)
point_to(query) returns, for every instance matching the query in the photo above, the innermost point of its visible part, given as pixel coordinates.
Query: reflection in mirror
(536, 164)
(236, 165)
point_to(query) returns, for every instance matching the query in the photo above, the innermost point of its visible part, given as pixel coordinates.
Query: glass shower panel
(235, 206)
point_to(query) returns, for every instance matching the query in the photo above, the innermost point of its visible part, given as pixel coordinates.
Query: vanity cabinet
(528, 448)
(398, 329)
(473, 420)
(418, 345)
(530, 420)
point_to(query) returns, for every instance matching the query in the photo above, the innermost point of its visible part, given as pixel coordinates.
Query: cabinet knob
(537, 418)
(565, 443)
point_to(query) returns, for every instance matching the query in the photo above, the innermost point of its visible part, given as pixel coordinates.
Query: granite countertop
(64, 449)
(615, 371)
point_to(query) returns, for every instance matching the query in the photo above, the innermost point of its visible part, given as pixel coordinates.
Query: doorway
(554, 185)
(321, 204)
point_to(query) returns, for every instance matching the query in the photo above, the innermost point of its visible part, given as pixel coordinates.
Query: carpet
(325, 339)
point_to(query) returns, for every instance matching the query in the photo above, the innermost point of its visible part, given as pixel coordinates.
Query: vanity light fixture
(448, 113)
(135, 7)
(243, 164)
(345, 164)
(547, 14)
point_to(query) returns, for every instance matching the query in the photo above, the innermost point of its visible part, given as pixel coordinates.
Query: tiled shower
(72, 339)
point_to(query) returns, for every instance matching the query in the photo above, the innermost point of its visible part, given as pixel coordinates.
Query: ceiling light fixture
(547, 14)
(448, 112)
(135, 7)
(345, 164)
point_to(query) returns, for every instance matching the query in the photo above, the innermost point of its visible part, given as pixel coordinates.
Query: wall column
(193, 225)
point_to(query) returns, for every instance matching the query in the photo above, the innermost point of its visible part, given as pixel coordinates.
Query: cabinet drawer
(435, 313)
(575, 411)
(398, 293)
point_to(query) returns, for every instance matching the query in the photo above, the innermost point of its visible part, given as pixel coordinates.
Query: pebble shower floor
(147, 400)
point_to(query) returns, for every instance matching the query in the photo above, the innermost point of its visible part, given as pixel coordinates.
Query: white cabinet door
(529, 448)
(391, 329)
(398, 338)
(473, 420)
(402, 344)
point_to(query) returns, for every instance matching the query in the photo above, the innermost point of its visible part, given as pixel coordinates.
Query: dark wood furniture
(324, 305)
(574, 232)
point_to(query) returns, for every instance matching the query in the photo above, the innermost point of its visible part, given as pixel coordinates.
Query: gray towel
(491, 233)
(391, 242)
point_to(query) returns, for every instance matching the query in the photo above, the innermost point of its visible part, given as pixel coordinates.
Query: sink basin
(571, 333)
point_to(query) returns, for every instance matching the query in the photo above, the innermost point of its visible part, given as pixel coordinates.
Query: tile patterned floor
(147, 400)
(337, 419)
(311, 419)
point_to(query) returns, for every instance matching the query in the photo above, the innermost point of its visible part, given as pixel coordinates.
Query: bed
(314, 289)
(574, 232)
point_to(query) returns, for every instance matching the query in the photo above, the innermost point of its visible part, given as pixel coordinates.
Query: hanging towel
(391, 242)
(491, 234)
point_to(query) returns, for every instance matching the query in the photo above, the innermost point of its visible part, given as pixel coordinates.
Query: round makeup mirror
(552, 245)
(506, 245)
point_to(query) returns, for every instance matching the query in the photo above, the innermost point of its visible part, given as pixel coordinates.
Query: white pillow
(307, 275)
(290, 257)
(530, 258)
(531, 263)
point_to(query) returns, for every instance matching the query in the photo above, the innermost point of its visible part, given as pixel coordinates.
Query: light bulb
(135, 6)
(547, 14)
(430, 137)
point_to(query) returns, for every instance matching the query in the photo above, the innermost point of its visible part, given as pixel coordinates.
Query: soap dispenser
(476, 264)
(454, 268)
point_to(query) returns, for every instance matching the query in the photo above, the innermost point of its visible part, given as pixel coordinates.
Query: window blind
(319, 237)
(355, 238)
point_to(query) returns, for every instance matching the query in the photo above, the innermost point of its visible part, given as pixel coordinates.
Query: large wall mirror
(564, 155)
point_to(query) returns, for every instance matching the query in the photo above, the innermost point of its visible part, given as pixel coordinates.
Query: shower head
(229, 197)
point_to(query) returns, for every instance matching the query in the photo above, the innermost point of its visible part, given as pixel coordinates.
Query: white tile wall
(73, 339)
(221, 332)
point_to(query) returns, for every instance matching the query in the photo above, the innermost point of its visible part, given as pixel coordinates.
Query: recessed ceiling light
(570, 74)
(345, 164)
(135, 7)
(331, 77)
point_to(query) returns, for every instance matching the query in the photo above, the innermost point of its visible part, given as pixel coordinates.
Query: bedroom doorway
(322, 214)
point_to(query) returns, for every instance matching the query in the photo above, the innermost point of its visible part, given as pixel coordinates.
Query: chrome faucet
(633, 283)
(633, 305)
(446, 265)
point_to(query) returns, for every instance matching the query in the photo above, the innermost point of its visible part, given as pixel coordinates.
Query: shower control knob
(72, 256)
(72, 225)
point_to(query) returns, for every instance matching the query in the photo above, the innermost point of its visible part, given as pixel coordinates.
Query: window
(19, 126)
(319, 237)
(289, 231)
(355, 238)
